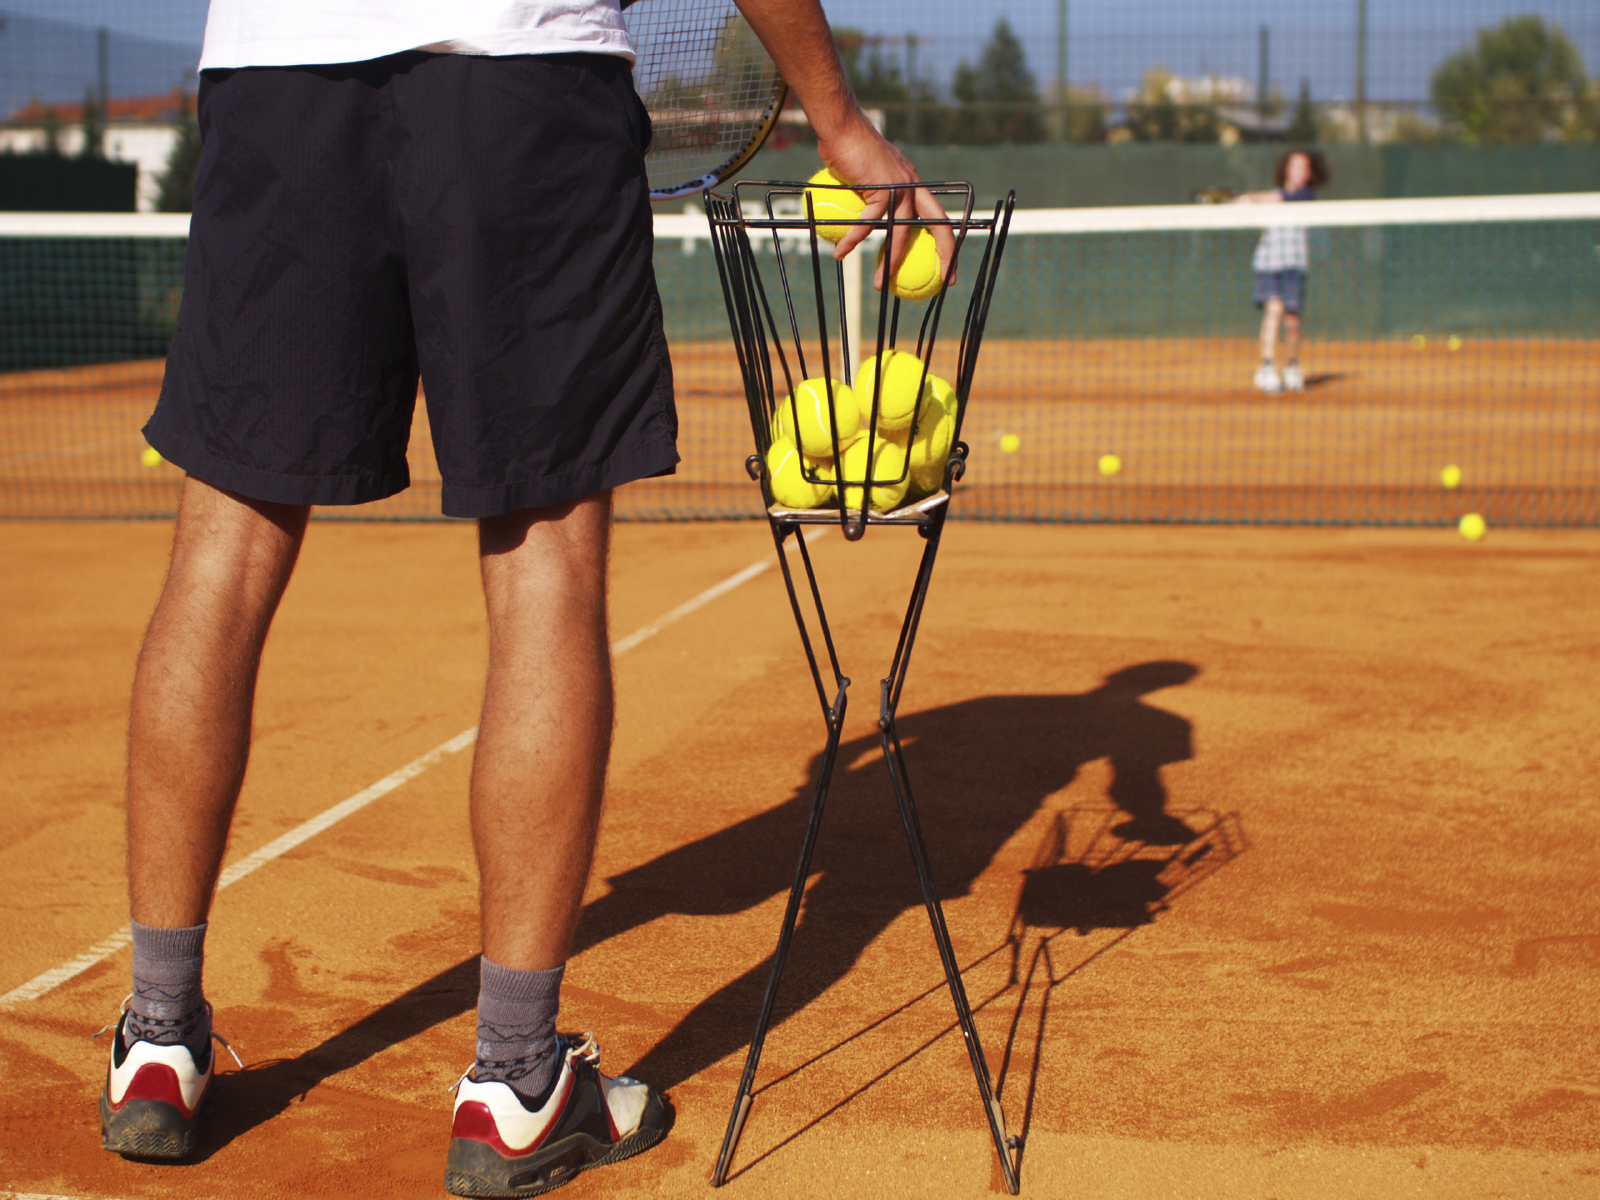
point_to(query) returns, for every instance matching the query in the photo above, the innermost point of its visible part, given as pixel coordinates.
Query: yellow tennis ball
(1473, 527)
(1450, 477)
(1454, 343)
(1109, 465)
(1419, 341)
(920, 274)
(899, 392)
(818, 418)
(1010, 443)
(150, 457)
(888, 463)
(945, 394)
(930, 450)
(790, 487)
(833, 203)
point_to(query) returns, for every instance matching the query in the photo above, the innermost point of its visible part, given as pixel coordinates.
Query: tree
(1303, 125)
(998, 99)
(1157, 116)
(875, 78)
(1522, 82)
(177, 181)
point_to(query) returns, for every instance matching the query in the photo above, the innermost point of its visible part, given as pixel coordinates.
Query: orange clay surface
(1366, 965)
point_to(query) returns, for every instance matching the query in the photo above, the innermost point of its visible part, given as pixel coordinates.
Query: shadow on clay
(981, 769)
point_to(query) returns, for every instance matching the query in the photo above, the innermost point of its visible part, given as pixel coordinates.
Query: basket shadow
(1087, 880)
(981, 768)
(971, 803)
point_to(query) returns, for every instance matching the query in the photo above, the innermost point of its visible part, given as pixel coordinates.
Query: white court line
(102, 950)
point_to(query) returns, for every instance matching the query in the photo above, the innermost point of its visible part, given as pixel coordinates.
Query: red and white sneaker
(499, 1147)
(154, 1097)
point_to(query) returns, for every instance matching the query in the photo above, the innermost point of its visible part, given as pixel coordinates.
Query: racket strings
(707, 82)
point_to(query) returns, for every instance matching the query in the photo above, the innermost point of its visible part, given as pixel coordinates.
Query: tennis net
(1458, 333)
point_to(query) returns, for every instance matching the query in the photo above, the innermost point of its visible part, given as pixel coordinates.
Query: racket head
(1214, 195)
(712, 91)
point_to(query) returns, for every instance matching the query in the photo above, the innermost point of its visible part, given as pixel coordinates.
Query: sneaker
(154, 1097)
(1293, 380)
(501, 1147)
(1267, 379)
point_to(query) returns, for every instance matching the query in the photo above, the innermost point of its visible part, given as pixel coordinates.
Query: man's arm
(797, 35)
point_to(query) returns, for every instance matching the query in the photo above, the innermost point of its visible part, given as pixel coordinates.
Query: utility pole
(912, 87)
(1263, 76)
(1361, 69)
(1062, 127)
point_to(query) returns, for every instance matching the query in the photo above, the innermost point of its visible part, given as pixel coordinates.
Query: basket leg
(894, 759)
(834, 714)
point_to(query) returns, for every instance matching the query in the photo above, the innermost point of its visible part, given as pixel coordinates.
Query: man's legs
(539, 771)
(188, 742)
(537, 780)
(193, 693)
(545, 733)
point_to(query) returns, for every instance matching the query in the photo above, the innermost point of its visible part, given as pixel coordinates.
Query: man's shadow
(980, 770)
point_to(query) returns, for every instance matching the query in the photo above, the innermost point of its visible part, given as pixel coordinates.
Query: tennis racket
(712, 92)
(1214, 195)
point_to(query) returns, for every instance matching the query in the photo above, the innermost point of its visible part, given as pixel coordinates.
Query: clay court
(1371, 969)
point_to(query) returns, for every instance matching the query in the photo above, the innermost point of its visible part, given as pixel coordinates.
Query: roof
(167, 107)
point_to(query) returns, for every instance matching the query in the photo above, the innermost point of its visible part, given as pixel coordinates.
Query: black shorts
(484, 222)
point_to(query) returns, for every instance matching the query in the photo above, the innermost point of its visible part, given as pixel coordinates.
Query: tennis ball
(790, 487)
(920, 275)
(930, 449)
(1473, 527)
(1454, 343)
(945, 395)
(898, 395)
(1450, 477)
(888, 462)
(1010, 443)
(834, 203)
(1110, 465)
(150, 457)
(1420, 342)
(818, 418)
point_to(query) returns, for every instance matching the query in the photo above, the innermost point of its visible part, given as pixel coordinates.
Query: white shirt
(280, 33)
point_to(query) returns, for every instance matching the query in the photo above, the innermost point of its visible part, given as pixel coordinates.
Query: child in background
(1281, 261)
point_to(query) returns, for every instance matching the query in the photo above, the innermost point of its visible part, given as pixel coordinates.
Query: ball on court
(790, 487)
(1010, 443)
(920, 274)
(1450, 477)
(1420, 342)
(818, 417)
(888, 463)
(902, 387)
(833, 203)
(1472, 527)
(1454, 343)
(150, 457)
(1110, 465)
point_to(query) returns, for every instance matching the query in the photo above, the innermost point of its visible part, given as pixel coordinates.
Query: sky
(1111, 42)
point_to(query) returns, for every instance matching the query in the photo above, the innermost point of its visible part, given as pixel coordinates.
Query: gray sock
(169, 1006)
(517, 1028)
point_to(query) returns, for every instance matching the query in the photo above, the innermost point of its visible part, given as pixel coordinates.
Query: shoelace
(588, 1050)
(215, 1036)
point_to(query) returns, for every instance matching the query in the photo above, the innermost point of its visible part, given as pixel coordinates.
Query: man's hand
(797, 36)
